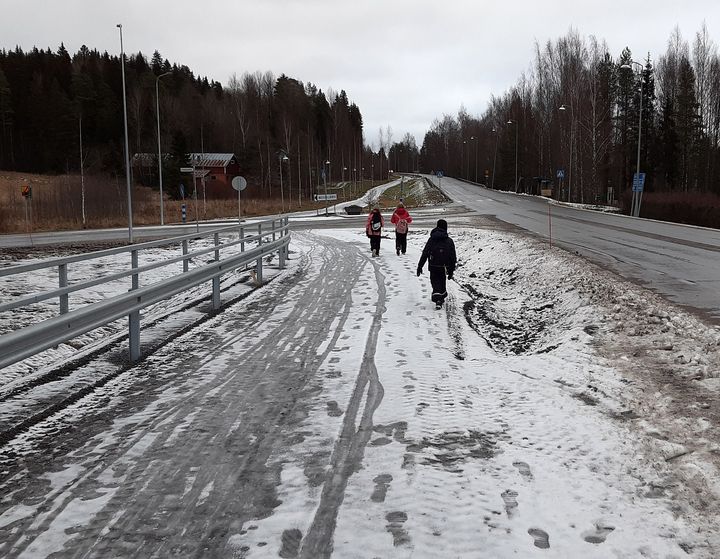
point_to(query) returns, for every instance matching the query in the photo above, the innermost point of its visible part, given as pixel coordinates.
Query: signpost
(637, 192)
(192, 170)
(325, 197)
(239, 184)
(560, 174)
(26, 191)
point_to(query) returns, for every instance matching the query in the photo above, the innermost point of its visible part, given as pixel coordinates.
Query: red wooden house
(214, 173)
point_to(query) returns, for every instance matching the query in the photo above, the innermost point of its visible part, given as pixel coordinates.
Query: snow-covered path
(336, 412)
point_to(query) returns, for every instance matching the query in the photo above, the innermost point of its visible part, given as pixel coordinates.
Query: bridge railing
(243, 245)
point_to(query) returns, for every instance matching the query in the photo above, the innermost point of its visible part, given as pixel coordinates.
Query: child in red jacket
(402, 220)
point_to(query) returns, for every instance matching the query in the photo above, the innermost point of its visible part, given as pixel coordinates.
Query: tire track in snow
(350, 447)
(204, 458)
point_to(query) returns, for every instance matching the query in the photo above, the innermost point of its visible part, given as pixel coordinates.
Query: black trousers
(375, 243)
(438, 280)
(401, 242)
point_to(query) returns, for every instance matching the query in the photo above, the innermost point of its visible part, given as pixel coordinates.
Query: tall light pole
(127, 147)
(283, 157)
(637, 195)
(474, 139)
(157, 109)
(570, 151)
(516, 151)
(325, 182)
(492, 184)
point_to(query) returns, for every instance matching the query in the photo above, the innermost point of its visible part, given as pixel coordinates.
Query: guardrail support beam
(216, 279)
(134, 317)
(64, 299)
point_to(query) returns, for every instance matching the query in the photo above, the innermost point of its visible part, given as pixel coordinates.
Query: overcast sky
(403, 62)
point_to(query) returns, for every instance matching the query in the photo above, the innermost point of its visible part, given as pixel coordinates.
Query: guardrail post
(64, 299)
(134, 317)
(281, 250)
(216, 279)
(185, 251)
(273, 229)
(258, 266)
(242, 242)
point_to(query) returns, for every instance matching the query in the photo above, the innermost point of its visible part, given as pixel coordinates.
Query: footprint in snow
(510, 498)
(598, 535)
(540, 537)
(395, 523)
(382, 482)
(333, 410)
(524, 470)
(290, 543)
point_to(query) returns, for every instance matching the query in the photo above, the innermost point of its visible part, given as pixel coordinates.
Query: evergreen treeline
(47, 98)
(578, 110)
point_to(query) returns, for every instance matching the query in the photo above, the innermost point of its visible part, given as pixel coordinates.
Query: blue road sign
(561, 173)
(638, 182)
(440, 174)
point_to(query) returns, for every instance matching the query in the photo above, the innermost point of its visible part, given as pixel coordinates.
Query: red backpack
(402, 226)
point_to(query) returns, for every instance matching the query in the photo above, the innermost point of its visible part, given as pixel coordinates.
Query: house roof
(201, 159)
(212, 159)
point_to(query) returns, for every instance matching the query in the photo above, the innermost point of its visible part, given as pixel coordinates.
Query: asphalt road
(679, 262)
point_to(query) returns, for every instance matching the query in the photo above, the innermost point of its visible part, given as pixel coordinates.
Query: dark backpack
(376, 219)
(438, 253)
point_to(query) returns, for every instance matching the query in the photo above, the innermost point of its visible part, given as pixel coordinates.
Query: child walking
(439, 253)
(401, 219)
(373, 229)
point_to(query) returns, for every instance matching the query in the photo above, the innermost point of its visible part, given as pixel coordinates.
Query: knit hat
(442, 224)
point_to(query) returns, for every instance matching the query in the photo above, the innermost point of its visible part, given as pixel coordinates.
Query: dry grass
(56, 204)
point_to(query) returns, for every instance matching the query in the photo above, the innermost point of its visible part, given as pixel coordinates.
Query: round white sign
(239, 183)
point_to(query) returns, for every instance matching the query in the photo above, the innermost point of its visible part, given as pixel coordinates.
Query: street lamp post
(325, 182)
(637, 195)
(516, 152)
(283, 157)
(570, 151)
(474, 139)
(492, 184)
(462, 159)
(127, 144)
(157, 108)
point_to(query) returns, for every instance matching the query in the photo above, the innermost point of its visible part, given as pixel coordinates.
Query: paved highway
(679, 262)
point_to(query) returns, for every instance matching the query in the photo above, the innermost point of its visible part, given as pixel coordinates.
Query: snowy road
(335, 412)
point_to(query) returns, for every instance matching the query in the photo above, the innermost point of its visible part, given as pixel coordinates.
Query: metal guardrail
(269, 236)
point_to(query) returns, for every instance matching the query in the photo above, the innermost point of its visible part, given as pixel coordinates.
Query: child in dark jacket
(439, 253)
(373, 229)
(401, 219)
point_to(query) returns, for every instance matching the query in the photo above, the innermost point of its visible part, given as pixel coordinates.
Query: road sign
(439, 174)
(638, 182)
(325, 197)
(239, 183)
(561, 173)
(186, 169)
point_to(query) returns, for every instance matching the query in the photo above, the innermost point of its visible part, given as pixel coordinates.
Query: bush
(691, 208)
